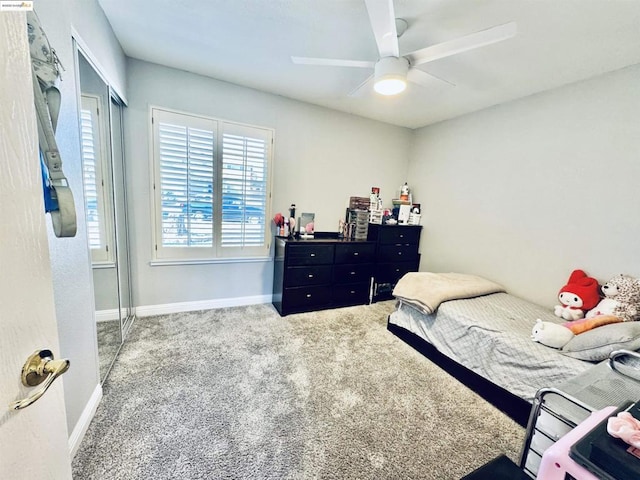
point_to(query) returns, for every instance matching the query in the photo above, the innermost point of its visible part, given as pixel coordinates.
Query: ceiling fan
(392, 70)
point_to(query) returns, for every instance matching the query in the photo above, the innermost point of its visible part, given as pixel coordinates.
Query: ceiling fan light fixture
(391, 75)
(390, 85)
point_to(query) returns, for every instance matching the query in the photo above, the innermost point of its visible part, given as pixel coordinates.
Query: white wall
(322, 157)
(94, 33)
(525, 192)
(70, 256)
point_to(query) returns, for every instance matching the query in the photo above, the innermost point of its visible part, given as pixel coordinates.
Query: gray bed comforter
(491, 335)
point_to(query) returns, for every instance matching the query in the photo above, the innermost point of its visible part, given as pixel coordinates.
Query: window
(98, 207)
(211, 187)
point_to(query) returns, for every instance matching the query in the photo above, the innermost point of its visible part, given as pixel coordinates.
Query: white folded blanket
(426, 290)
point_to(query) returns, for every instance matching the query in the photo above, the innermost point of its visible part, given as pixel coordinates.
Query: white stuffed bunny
(551, 334)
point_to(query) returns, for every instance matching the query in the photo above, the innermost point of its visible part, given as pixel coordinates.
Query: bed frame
(512, 405)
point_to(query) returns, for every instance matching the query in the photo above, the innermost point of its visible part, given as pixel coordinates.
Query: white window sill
(205, 261)
(105, 264)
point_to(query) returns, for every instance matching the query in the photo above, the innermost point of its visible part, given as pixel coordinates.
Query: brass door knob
(40, 368)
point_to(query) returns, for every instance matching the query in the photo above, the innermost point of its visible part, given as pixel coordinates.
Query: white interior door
(33, 441)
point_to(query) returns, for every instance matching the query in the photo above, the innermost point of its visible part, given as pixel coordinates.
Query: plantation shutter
(185, 162)
(211, 181)
(244, 183)
(93, 181)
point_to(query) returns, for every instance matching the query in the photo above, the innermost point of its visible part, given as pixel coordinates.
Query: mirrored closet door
(127, 309)
(101, 125)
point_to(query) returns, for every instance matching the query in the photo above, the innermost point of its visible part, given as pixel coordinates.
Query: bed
(484, 340)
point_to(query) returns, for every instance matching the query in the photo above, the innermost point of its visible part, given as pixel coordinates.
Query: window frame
(216, 253)
(102, 257)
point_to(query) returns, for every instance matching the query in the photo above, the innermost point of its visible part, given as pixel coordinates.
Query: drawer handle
(353, 291)
(397, 269)
(355, 254)
(313, 254)
(311, 275)
(308, 295)
(401, 236)
(352, 273)
(399, 253)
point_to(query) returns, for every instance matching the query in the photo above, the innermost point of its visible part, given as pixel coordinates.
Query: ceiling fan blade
(383, 24)
(362, 89)
(332, 62)
(463, 44)
(425, 79)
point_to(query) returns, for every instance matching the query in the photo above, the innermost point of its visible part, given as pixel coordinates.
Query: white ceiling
(250, 42)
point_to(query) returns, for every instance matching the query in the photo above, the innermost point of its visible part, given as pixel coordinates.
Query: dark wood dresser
(396, 254)
(321, 273)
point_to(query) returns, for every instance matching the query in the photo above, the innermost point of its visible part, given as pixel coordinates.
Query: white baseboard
(107, 315)
(85, 419)
(149, 310)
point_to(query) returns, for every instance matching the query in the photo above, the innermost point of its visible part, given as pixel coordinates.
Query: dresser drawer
(399, 235)
(303, 298)
(307, 275)
(351, 294)
(355, 253)
(392, 272)
(309, 254)
(354, 273)
(398, 253)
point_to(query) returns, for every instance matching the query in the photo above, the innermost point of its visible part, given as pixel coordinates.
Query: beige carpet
(244, 393)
